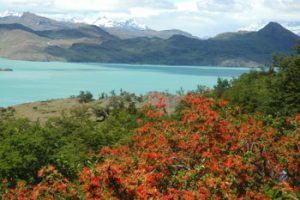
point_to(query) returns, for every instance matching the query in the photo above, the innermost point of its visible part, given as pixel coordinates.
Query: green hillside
(248, 49)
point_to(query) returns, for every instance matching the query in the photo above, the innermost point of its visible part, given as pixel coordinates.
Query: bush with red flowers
(208, 151)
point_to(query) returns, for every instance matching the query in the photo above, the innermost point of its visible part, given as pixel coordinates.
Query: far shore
(5, 70)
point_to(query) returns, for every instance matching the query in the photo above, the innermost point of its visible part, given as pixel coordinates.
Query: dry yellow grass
(43, 110)
(22, 45)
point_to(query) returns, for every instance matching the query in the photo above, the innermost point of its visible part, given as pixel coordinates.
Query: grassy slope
(22, 45)
(43, 110)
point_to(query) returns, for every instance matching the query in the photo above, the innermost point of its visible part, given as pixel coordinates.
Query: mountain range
(124, 29)
(32, 37)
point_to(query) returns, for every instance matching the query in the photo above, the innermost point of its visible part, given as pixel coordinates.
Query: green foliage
(250, 92)
(297, 47)
(132, 108)
(285, 90)
(85, 97)
(221, 87)
(275, 92)
(21, 149)
(65, 142)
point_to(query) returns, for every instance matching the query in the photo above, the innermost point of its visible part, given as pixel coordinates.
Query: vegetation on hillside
(248, 49)
(275, 92)
(85, 97)
(68, 142)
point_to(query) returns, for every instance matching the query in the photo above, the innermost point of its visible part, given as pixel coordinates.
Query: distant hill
(27, 40)
(230, 35)
(236, 49)
(83, 31)
(20, 42)
(133, 33)
(36, 22)
(31, 37)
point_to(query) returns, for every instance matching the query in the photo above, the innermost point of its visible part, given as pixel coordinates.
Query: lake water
(36, 81)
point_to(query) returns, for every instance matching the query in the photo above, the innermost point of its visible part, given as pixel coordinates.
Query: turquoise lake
(37, 81)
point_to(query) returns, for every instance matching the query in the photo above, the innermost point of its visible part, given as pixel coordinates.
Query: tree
(221, 87)
(275, 92)
(85, 97)
(249, 91)
(285, 88)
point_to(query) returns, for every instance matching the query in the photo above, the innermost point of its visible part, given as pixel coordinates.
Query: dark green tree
(275, 92)
(85, 97)
(285, 88)
(221, 87)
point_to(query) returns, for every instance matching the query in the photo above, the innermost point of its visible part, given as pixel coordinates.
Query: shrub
(85, 97)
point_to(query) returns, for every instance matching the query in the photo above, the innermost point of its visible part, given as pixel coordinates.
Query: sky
(203, 18)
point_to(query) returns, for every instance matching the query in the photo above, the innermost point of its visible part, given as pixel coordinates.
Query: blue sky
(199, 17)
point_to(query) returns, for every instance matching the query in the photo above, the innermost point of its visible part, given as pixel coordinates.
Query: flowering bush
(208, 151)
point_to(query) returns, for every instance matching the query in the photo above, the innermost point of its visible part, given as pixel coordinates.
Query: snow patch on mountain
(104, 22)
(129, 24)
(10, 13)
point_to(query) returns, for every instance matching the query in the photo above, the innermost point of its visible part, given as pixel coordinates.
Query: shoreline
(6, 69)
(135, 64)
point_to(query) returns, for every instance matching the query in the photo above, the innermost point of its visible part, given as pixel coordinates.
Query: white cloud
(87, 5)
(284, 5)
(188, 6)
(25, 3)
(216, 5)
(146, 12)
(21, 1)
(111, 5)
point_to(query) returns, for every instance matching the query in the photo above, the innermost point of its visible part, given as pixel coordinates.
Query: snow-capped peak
(10, 13)
(130, 24)
(105, 22)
